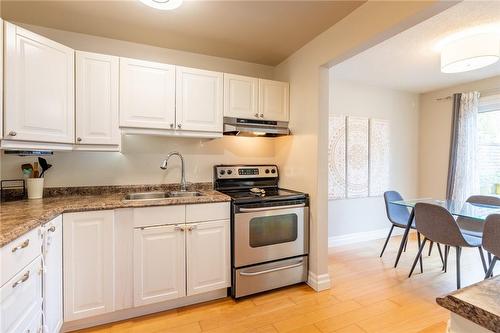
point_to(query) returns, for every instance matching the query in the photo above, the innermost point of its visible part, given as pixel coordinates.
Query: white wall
(401, 110)
(303, 157)
(435, 135)
(116, 47)
(141, 156)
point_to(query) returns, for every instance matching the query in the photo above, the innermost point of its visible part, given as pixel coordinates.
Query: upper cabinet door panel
(147, 94)
(274, 100)
(39, 88)
(199, 103)
(241, 96)
(97, 99)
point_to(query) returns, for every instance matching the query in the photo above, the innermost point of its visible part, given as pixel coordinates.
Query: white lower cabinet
(88, 261)
(159, 265)
(21, 300)
(135, 257)
(52, 277)
(183, 259)
(208, 260)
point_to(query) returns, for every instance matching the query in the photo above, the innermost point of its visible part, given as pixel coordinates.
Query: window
(488, 156)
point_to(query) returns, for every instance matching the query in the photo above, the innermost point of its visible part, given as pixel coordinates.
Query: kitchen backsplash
(139, 161)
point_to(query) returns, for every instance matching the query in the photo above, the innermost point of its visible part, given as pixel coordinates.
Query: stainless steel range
(269, 228)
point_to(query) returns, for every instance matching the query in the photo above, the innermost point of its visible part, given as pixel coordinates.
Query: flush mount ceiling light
(163, 4)
(470, 52)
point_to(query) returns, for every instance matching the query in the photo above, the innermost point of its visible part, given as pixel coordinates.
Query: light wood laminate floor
(368, 295)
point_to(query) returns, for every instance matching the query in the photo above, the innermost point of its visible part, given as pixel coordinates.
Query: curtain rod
(482, 92)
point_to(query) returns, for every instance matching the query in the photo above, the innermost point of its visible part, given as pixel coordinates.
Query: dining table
(474, 211)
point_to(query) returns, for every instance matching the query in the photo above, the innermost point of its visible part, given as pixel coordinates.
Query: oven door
(270, 233)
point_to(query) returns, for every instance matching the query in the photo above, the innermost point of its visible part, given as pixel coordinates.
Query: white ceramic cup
(35, 188)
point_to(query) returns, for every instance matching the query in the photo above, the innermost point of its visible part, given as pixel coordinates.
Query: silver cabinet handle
(79, 139)
(52, 229)
(23, 279)
(256, 115)
(180, 228)
(171, 125)
(179, 125)
(272, 270)
(261, 115)
(22, 246)
(192, 227)
(260, 209)
(12, 133)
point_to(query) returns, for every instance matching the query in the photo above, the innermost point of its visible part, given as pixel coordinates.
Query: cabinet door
(208, 259)
(52, 279)
(199, 103)
(241, 96)
(159, 264)
(147, 94)
(39, 88)
(274, 100)
(88, 257)
(97, 99)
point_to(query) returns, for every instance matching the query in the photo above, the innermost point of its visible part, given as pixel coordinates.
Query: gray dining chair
(491, 240)
(397, 215)
(470, 226)
(436, 224)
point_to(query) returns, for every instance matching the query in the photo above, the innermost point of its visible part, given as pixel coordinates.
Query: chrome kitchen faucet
(163, 166)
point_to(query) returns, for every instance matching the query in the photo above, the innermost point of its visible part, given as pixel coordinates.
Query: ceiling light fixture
(470, 52)
(163, 4)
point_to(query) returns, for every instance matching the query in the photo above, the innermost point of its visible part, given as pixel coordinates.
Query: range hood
(251, 127)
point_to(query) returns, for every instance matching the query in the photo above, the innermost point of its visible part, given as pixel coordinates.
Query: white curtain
(463, 179)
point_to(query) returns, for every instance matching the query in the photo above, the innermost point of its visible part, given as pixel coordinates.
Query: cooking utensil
(44, 165)
(27, 169)
(36, 172)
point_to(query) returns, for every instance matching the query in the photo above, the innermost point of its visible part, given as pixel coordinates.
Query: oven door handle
(261, 209)
(272, 269)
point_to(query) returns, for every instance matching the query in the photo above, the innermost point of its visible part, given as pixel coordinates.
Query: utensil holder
(35, 188)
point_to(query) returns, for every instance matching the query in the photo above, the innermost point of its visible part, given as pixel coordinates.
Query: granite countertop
(479, 303)
(19, 217)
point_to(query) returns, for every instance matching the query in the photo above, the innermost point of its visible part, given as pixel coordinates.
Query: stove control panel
(246, 171)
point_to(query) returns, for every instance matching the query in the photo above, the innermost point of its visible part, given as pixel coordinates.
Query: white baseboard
(362, 236)
(319, 282)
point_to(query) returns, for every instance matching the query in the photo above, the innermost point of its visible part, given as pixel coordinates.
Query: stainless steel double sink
(161, 195)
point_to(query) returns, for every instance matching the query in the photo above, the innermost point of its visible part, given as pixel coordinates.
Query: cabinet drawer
(18, 254)
(21, 299)
(151, 216)
(34, 323)
(207, 212)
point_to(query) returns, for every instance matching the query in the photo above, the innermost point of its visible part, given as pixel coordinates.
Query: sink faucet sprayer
(163, 166)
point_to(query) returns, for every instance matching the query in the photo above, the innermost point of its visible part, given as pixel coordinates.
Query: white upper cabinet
(88, 261)
(241, 96)
(159, 264)
(274, 100)
(97, 99)
(208, 256)
(199, 101)
(147, 94)
(39, 88)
